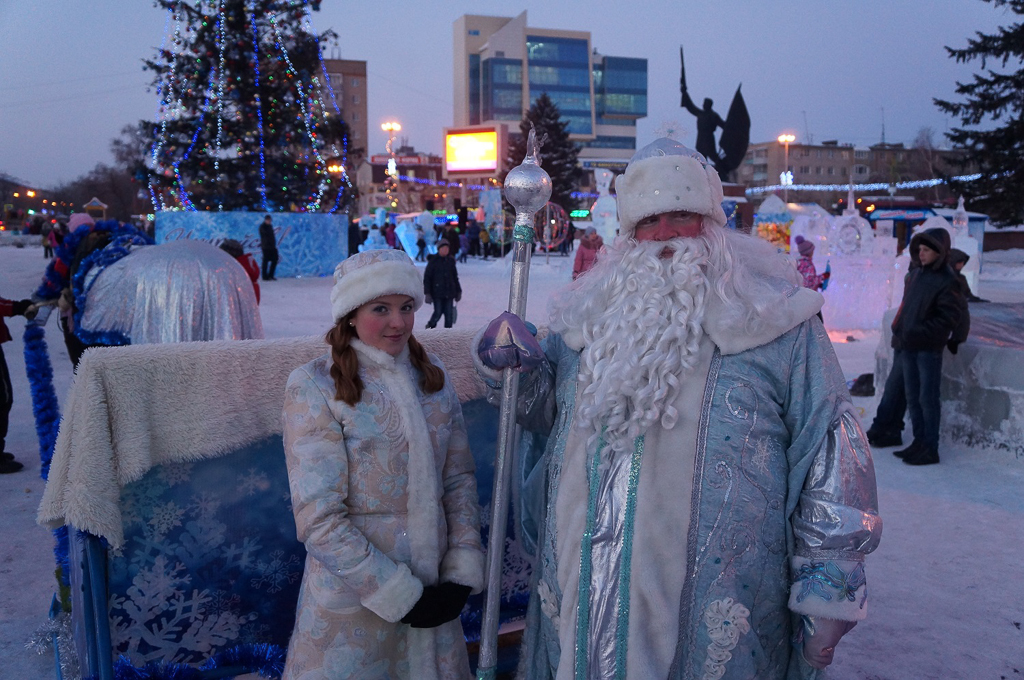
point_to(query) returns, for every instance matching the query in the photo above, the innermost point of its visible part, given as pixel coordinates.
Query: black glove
(458, 298)
(439, 604)
(20, 306)
(952, 346)
(428, 299)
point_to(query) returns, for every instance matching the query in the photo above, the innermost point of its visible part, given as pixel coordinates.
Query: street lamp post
(391, 127)
(785, 140)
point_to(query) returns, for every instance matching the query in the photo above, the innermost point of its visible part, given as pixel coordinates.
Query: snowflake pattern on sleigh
(210, 559)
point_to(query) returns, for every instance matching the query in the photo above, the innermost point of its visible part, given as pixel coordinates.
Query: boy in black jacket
(441, 285)
(932, 308)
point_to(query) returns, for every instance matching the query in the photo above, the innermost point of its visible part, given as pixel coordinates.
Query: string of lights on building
(873, 186)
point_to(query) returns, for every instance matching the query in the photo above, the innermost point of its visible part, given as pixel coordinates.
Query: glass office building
(502, 66)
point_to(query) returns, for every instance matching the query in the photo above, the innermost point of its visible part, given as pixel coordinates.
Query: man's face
(665, 226)
(926, 255)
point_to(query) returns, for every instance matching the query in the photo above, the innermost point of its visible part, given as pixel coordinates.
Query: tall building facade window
(501, 89)
(561, 68)
(474, 89)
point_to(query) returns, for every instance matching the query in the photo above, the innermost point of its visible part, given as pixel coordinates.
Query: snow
(945, 600)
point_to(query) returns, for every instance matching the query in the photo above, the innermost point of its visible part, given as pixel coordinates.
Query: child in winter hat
(368, 275)
(805, 247)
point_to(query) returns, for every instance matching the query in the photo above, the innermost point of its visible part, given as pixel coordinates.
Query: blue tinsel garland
(47, 416)
(267, 660)
(123, 239)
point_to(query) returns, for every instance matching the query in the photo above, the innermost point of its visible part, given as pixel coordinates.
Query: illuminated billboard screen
(472, 151)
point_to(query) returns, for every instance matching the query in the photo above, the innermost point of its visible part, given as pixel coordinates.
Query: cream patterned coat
(385, 500)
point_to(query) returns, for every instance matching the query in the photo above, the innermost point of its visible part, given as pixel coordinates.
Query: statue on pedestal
(727, 155)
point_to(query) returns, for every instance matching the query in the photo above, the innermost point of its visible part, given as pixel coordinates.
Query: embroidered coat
(779, 510)
(384, 496)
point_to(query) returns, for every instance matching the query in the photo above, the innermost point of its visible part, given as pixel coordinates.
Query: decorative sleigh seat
(169, 473)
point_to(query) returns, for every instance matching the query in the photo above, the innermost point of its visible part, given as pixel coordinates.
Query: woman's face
(386, 323)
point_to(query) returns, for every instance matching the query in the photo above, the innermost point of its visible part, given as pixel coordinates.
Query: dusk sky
(71, 71)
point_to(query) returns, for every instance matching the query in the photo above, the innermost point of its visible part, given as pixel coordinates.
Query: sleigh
(169, 478)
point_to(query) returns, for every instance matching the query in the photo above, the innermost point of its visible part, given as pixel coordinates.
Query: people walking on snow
(383, 490)
(441, 285)
(268, 244)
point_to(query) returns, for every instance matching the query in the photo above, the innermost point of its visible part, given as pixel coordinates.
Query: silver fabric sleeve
(837, 516)
(535, 410)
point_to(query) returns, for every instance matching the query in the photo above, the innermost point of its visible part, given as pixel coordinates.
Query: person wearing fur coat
(383, 490)
(706, 498)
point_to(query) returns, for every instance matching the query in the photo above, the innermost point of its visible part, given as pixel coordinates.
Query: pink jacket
(586, 255)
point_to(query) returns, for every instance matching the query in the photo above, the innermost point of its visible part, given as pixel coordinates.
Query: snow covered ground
(947, 595)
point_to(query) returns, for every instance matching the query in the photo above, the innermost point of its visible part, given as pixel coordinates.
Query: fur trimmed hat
(369, 275)
(666, 176)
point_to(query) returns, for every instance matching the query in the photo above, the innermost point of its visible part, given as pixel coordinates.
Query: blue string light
(873, 186)
(259, 105)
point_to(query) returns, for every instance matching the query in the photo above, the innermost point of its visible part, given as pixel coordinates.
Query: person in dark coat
(441, 285)
(7, 308)
(887, 427)
(957, 260)
(933, 305)
(268, 244)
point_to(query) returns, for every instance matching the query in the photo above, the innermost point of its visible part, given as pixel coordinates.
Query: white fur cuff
(396, 597)
(835, 589)
(464, 566)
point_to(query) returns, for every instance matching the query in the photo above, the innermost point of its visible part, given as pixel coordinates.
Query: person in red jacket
(7, 308)
(248, 262)
(586, 254)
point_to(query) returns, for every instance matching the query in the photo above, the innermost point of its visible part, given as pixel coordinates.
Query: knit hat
(369, 275)
(804, 246)
(443, 242)
(666, 176)
(79, 220)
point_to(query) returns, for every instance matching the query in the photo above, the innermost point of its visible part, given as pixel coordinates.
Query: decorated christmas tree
(247, 117)
(558, 153)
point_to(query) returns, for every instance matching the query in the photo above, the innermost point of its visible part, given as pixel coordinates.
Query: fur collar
(399, 380)
(369, 355)
(788, 306)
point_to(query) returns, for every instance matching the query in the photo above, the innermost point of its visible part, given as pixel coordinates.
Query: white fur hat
(666, 176)
(369, 275)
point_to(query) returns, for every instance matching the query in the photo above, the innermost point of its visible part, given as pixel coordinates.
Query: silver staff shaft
(487, 661)
(527, 188)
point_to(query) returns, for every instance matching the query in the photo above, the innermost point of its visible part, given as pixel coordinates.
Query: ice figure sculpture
(863, 273)
(374, 241)
(604, 213)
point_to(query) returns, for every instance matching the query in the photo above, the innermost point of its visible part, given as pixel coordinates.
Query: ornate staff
(527, 188)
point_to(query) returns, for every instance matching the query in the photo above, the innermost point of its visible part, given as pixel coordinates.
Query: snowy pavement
(946, 597)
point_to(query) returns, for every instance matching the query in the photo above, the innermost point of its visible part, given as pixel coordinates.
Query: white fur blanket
(133, 408)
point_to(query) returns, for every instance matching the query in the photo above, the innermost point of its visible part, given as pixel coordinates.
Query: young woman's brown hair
(345, 364)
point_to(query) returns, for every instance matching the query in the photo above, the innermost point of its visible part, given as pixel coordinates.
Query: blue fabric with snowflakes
(211, 561)
(308, 244)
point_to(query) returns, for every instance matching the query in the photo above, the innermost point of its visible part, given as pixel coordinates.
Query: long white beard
(639, 316)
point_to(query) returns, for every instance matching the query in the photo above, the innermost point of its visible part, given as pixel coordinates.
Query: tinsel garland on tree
(246, 119)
